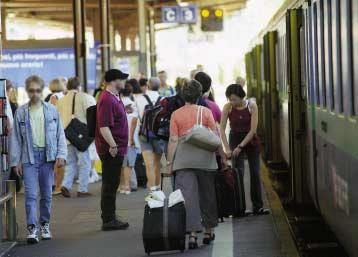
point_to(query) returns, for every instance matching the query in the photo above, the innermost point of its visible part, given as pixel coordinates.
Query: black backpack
(146, 129)
(91, 114)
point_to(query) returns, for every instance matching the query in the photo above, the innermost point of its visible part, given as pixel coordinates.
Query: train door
(267, 101)
(297, 104)
(272, 148)
(257, 59)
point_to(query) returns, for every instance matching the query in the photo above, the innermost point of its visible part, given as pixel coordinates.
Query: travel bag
(77, 132)
(230, 194)
(164, 229)
(140, 171)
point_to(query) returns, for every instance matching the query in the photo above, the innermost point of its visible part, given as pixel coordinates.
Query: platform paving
(76, 230)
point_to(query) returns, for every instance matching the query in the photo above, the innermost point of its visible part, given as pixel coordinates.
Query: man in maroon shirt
(111, 143)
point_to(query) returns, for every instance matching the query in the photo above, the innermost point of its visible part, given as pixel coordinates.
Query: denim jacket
(21, 136)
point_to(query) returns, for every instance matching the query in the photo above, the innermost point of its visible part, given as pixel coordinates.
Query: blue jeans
(38, 175)
(77, 161)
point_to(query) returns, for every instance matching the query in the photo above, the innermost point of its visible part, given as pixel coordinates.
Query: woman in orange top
(195, 168)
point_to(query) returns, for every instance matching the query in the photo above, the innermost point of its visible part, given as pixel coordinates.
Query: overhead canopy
(123, 12)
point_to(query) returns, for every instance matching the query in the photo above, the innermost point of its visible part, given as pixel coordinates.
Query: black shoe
(209, 237)
(115, 225)
(261, 211)
(193, 242)
(65, 192)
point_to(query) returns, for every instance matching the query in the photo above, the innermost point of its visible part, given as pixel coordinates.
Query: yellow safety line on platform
(288, 247)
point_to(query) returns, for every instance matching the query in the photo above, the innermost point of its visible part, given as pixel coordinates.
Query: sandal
(193, 244)
(209, 237)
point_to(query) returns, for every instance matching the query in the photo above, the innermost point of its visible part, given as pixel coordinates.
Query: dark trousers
(252, 152)
(111, 173)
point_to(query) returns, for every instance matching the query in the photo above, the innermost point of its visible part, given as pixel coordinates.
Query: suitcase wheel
(148, 253)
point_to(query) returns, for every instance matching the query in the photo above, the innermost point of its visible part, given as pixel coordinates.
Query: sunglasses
(31, 90)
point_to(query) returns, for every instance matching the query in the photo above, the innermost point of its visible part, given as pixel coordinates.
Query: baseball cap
(114, 74)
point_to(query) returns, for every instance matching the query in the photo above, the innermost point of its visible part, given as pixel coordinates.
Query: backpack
(146, 132)
(162, 116)
(91, 113)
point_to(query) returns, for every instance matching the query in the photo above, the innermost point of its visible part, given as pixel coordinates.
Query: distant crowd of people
(49, 163)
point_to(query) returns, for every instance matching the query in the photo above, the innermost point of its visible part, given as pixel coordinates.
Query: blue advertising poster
(49, 63)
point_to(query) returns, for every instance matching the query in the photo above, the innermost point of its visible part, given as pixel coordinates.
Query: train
(303, 71)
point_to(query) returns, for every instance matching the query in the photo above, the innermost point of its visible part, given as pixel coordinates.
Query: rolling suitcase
(164, 229)
(230, 194)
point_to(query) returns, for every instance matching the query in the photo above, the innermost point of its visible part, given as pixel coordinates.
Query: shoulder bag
(77, 132)
(202, 136)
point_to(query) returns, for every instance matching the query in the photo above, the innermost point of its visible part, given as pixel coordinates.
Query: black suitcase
(164, 229)
(140, 171)
(230, 194)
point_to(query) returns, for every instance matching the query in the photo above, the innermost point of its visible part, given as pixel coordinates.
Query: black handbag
(77, 132)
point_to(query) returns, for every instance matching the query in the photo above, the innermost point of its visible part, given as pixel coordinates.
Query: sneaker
(83, 194)
(65, 192)
(45, 231)
(115, 225)
(32, 237)
(127, 192)
(122, 192)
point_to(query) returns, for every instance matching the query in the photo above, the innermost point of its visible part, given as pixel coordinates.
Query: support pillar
(3, 23)
(79, 21)
(105, 35)
(153, 53)
(142, 37)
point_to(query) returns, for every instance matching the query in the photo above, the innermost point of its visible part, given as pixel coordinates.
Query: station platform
(76, 229)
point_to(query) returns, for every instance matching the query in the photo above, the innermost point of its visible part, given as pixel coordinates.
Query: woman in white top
(57, 87)
(130, 158)
(152, 148)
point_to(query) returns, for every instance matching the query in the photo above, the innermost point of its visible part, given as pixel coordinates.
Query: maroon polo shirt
(111, 113)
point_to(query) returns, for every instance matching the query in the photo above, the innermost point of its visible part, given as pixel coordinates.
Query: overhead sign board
(170, 14)
(180, 14)
(188, 14)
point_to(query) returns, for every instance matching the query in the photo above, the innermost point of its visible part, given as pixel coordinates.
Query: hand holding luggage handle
(165, 224)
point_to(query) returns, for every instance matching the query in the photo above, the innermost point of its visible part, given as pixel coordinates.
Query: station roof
(123, 12)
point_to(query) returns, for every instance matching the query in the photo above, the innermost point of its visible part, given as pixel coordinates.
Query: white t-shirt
(142, 102)
(130, 116)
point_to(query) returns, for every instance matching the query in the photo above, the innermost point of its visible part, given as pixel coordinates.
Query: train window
(347, 56)
(336, 55)
(303, 62)
(355, 52)
(328, 54)
(308, 54)
(321, 53)
(315, 41)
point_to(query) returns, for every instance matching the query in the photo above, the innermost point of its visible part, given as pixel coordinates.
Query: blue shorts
(130, 157)
(157, 146)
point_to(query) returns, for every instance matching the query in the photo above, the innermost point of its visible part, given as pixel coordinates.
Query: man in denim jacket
(37, 144)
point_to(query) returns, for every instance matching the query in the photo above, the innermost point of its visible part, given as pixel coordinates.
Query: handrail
(5, 198)
(9, 202)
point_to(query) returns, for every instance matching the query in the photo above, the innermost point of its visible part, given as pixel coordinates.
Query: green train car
(303, 71)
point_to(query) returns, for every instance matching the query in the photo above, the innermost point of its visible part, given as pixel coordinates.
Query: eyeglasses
(38, 90)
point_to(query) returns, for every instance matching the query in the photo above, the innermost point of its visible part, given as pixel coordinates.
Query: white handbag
(202, 136)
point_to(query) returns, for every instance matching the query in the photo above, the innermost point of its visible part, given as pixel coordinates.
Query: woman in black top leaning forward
(243, 116)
